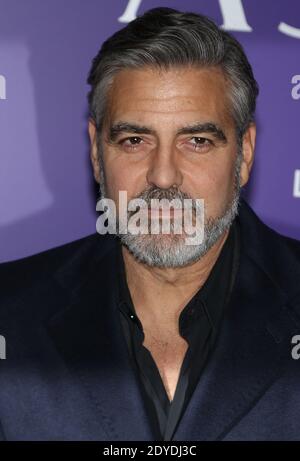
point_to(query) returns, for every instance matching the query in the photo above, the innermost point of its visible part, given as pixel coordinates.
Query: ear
(248, 153)
(94, 149)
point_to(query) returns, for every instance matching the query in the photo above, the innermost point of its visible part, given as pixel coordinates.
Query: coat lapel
(250, 352)
(89, 338)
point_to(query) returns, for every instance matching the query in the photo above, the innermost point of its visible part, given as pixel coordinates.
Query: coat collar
(248, 356)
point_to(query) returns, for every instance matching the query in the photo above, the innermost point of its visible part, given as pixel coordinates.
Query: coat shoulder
(276, 254)
(22, 275)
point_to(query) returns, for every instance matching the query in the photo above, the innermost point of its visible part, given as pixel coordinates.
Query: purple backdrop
(46, 186)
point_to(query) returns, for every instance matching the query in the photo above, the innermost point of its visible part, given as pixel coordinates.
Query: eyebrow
(207, 127)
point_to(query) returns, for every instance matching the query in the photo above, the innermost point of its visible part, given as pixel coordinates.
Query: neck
(160, 294)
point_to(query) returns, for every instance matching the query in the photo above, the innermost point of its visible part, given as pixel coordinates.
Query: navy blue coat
(67, 372)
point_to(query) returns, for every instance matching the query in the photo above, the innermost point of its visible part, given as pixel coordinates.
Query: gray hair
(166, 38)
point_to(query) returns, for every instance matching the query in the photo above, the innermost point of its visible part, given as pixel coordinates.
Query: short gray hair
(166, 38)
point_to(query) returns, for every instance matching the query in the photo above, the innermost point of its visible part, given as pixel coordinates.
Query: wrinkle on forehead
(149, 90)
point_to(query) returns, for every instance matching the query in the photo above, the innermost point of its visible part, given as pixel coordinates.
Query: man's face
(172, 129)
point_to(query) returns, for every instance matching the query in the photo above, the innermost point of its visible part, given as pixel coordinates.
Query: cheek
(123, 177)
(222, 192)
(215, 184)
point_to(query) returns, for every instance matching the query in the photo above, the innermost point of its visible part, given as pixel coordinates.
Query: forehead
(181, 92)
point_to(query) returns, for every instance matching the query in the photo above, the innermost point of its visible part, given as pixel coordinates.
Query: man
(140, 336)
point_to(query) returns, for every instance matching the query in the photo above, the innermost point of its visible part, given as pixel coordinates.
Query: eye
(200, 143)
(130, 142)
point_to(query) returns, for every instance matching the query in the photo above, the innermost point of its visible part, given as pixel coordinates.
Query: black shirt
(199, 323)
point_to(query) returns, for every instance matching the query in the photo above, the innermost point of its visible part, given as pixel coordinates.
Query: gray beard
(168, 251)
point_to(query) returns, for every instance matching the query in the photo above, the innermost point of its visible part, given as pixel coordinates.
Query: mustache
(157, 193)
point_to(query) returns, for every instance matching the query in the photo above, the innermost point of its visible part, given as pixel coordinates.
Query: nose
(164, 170)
